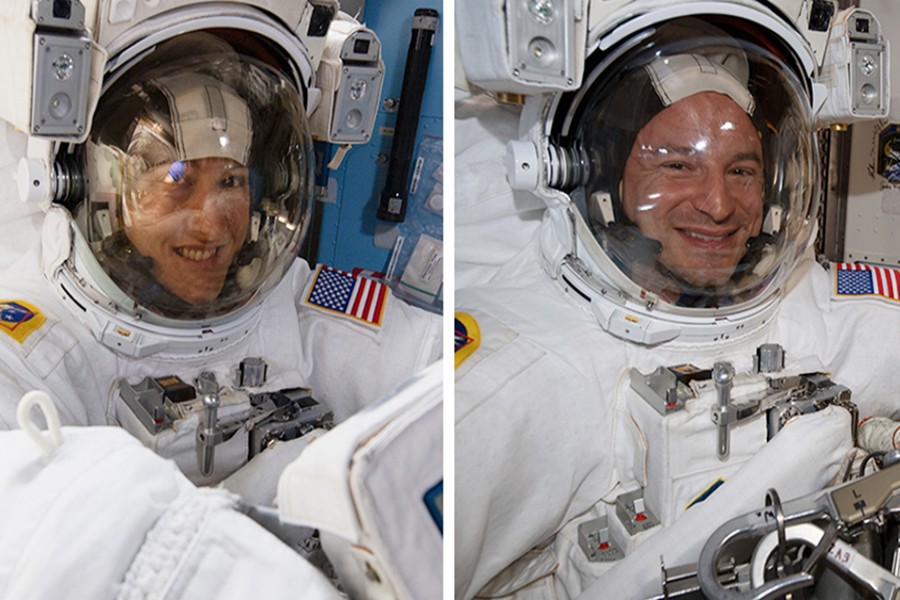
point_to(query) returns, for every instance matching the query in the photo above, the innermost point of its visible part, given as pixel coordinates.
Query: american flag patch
(361, 298)
(855, 279)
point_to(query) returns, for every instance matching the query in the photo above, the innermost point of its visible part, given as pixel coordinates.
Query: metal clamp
(840, 555)
(842, 509)
(752, 525)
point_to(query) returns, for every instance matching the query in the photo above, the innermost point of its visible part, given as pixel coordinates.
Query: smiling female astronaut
(151, 281)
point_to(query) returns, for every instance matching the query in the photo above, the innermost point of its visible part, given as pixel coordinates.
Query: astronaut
(679, 174)
(151, 280)
(176, 242)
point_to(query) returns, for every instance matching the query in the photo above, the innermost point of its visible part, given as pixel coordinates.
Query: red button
(640, 517)
(603, 546)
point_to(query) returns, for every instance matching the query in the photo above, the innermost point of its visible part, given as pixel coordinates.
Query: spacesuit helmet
(691, 159)
(198, 175)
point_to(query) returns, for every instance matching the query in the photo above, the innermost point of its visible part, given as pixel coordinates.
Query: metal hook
(774, 501)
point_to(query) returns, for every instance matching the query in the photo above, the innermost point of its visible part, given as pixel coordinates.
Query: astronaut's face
(191, 218)
(694, 183)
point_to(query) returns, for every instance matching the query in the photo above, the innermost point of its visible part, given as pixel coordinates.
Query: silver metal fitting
(206, 432)
(724, 413)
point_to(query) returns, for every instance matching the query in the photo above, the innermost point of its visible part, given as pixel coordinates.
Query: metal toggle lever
(724, 413)
(206, 432)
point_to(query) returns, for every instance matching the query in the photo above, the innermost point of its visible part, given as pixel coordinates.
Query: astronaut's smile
(707, 239)
(194, 254)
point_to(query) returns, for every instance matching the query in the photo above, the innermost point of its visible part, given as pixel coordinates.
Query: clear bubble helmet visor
(199, 170)
(700, 185)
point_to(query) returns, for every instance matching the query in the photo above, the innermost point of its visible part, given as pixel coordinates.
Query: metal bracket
(634, 514)
(596, 542)
(666, 389)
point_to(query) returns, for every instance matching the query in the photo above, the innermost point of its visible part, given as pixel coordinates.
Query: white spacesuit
(613, 403)
(157, 184)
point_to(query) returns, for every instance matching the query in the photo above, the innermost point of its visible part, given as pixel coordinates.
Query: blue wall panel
(349, 223)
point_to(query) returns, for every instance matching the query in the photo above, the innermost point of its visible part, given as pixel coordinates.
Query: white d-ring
(53, 438)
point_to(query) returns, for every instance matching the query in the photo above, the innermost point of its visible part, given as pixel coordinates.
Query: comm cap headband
(682, 75)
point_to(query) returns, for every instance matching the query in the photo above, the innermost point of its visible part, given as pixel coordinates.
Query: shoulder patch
(19, 319)
(466, 337)
(355, 297)
(856, 280)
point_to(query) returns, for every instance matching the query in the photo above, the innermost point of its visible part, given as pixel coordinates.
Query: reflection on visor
(702, 201)
(176, 171)
(701, 181)
(199, 168)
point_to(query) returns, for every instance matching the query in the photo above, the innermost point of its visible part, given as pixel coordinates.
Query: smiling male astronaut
(679, 178)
